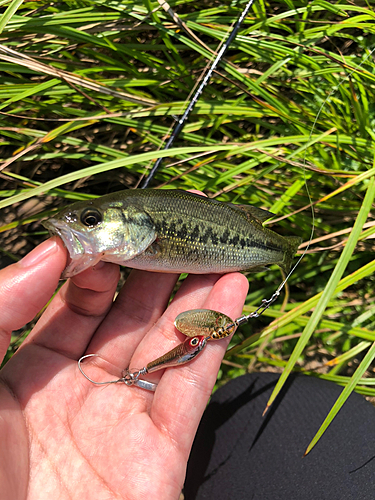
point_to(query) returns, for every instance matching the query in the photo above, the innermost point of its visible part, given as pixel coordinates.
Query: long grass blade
(329, 289)
(9, 13)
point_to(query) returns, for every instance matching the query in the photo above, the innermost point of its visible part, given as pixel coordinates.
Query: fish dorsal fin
(252, 212)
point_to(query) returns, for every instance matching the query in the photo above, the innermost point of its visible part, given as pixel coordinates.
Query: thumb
(25, 287)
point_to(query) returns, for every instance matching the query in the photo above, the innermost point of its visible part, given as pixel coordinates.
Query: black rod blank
(181, 122)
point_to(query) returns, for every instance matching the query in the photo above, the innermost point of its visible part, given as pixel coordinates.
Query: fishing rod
(179, 125)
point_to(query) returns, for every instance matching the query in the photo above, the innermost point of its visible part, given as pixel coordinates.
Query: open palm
(64, 437)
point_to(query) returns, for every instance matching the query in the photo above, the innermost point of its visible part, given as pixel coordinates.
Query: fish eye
(91, 217)
(194, 341)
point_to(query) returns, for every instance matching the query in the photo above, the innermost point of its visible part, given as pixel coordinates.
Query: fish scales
(170, 231)
(197, 234)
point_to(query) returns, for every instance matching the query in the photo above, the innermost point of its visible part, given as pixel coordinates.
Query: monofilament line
(266, 303)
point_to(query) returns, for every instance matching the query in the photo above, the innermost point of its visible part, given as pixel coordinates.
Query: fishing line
(175, 357)
(181, 122)
(266, 303)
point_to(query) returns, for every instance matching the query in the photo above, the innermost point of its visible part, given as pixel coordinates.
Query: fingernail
(39, 253)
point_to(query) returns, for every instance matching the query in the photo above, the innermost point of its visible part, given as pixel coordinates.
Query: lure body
(170, 231)
(181, 354)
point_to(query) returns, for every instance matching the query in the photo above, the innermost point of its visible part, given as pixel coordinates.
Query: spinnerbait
(212, 324)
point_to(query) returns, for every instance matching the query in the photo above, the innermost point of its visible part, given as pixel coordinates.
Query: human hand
(63, 437)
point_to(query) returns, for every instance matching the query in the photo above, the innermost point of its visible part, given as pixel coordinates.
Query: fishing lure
(189, 349)
(213, 324)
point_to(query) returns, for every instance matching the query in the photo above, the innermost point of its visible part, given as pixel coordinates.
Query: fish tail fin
(291, 245)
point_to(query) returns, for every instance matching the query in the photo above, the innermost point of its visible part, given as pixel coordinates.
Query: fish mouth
(81, 253)
(69, 238)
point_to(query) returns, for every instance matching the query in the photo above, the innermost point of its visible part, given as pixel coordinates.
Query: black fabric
(238, 454)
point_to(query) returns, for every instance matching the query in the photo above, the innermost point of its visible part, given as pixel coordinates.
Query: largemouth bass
(169, 231)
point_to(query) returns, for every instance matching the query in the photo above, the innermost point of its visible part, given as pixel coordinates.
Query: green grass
(90, 89)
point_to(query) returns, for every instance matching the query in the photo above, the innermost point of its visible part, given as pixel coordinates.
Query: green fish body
(170, 231)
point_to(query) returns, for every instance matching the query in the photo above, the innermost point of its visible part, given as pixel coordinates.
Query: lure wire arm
(266, 303)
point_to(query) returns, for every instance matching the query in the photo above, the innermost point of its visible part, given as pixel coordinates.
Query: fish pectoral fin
(252, 212)
(153, 250)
